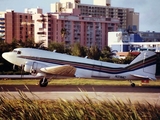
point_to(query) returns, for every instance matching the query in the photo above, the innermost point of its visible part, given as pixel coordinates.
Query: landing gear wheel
(133, 84)
(43, 82)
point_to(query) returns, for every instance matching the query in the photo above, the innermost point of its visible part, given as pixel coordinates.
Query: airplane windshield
(18, 52)
(14, 50)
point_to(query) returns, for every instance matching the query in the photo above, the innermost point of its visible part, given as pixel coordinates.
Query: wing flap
(62, 70)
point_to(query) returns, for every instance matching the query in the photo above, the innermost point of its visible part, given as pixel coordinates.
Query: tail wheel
(133, 84)
(43, 82)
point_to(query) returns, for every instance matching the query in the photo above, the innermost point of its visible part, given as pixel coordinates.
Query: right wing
(62, 70)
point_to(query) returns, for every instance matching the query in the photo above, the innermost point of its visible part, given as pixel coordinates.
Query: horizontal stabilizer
(145, 76)
(64, 70)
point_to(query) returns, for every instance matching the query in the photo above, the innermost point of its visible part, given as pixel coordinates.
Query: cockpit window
(19, 52)
(14, 50)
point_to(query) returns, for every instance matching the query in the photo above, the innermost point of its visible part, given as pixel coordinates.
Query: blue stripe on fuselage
(149, 61)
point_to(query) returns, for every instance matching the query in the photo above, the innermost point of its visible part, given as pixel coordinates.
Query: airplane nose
(10, 57)
(4, 55)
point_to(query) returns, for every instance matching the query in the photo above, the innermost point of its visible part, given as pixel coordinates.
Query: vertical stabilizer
(144, 64)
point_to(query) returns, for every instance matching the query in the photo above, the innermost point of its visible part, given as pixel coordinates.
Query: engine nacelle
(33, 67)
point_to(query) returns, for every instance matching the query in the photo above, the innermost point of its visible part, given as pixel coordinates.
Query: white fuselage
(85, 68)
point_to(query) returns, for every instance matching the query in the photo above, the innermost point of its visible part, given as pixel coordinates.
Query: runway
(78, 88)
(141, 94)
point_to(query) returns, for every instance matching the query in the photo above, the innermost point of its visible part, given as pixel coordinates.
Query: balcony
(2, 23)
(41, 20)
(2, 31)
(2, 27)
(2, 18)
(41, 33)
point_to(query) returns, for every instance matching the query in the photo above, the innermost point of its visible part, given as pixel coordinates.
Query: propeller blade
(14, 67)
(22, 69)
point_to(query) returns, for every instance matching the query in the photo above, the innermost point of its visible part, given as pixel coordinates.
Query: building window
(49, 37)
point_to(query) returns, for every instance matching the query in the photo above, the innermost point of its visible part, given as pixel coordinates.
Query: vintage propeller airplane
(45, 63)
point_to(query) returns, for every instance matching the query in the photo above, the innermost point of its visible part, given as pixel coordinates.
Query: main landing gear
(132, 84)
(43, 82)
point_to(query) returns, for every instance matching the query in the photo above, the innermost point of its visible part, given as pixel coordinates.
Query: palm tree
(94, 53)
(78, 50)
(63, 32)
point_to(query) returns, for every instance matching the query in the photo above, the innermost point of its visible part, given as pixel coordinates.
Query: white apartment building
(2, 25)
(33, 10)
(102, 2)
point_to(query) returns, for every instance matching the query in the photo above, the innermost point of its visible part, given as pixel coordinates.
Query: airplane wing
(62, 70)
(145, 76)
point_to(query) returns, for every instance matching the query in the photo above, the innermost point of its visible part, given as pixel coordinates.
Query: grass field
(75, 81)
(24, 108)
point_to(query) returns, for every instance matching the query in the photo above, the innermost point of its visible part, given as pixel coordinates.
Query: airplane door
(34, 66)
(96, 69)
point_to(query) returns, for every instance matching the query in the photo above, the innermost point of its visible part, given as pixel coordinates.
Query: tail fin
(144, 65)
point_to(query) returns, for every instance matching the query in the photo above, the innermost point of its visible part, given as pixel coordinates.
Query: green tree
(29, 43)
(129, 58)
(59, 47)
(106, 54)
(4, 65)
(14, 44)
(78, 50)
(94, 53)
(158, 64)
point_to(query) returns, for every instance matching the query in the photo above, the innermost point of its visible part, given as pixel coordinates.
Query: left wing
(62, 70)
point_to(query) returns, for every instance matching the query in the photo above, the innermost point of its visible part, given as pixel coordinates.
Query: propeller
(22, 70)
(14, 67)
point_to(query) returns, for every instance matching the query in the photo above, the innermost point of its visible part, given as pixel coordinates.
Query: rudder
(145, 61)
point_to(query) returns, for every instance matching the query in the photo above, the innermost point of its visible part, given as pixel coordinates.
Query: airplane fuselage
(86, 68)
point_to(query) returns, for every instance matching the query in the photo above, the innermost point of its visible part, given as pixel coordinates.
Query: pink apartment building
(127, 17)
(86, 30)
(69, 22)
(18, 26)
(72, 27)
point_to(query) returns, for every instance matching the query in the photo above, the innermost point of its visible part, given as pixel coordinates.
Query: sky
(149, 9)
